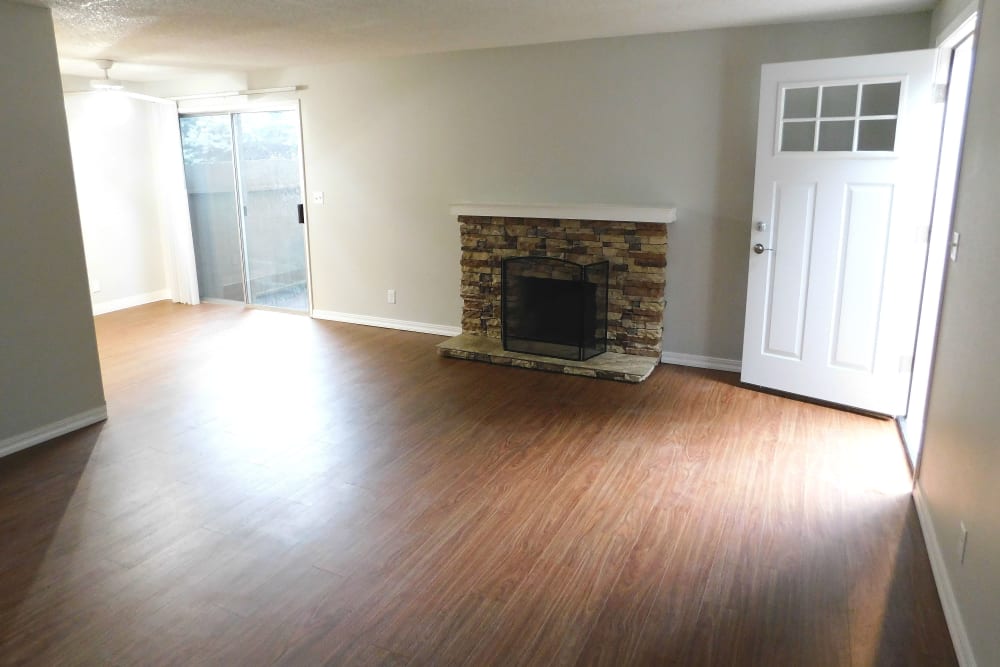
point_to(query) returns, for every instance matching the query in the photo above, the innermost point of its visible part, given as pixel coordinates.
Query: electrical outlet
(95, 286)
(963, 540)
(390, 296)
(318, 197)
(953, 249)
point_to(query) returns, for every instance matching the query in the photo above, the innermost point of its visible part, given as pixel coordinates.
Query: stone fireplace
(633, 240)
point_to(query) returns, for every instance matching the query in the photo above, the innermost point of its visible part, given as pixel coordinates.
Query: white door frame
(911, 426)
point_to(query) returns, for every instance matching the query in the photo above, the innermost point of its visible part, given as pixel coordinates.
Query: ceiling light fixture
(106, 83)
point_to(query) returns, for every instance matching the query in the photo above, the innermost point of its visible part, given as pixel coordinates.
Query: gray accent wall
(945, 13)
(49, 369)
(646, 120)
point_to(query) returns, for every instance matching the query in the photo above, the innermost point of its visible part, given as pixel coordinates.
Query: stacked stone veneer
(637, 252)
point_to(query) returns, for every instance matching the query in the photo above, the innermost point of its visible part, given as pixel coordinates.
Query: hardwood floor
(271, 489)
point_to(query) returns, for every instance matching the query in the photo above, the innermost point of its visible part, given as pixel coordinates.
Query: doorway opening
(959, 48)
(244, 181)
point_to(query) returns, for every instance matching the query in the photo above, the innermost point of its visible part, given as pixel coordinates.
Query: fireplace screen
(554, 308)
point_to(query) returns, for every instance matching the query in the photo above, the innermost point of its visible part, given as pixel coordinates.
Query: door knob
(760, 249)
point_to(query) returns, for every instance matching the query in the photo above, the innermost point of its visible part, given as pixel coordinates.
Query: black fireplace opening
(554, 308)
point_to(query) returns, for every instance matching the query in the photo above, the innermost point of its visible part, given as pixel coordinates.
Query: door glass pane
(267, 146)
(208, 170)
(797, 136)
(839, 101)
(836, 135)
(877, 135)
(880, 99)
(800, 102)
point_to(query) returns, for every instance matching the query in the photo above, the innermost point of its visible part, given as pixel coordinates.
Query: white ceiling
(251, 34)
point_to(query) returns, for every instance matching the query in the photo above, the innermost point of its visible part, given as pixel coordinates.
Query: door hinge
(939, 93)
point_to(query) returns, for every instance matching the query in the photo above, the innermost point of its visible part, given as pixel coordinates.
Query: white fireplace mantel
(655, 214)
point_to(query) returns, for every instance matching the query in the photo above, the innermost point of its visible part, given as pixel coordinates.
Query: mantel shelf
(654, 214)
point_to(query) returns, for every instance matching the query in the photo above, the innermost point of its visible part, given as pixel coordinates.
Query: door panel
(862, 263)
(793, 224)
(267, 146)
(846, 157)
(207, 145)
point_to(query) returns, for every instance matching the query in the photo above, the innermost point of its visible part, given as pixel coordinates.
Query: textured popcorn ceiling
(248, 34)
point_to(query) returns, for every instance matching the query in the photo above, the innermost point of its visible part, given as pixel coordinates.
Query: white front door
(846, 160)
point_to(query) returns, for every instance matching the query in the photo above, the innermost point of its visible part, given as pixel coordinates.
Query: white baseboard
(387, 323)
(698, 361)
(41, 434)
(952, 614)
(130, 301)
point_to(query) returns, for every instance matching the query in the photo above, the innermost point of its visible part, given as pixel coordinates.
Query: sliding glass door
(207, 142)
(267, 150)
(245, 194)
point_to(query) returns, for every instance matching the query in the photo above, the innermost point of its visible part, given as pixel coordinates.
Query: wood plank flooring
(274, 490)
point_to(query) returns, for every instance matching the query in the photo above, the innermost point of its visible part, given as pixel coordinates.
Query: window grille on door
(846, 118)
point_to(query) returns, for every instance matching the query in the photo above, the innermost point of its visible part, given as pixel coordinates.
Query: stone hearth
(632, 239)
(607, 366)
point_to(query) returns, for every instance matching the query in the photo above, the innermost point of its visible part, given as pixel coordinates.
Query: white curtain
(175, 218)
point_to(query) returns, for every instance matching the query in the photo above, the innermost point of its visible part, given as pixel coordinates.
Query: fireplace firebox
(554, 308)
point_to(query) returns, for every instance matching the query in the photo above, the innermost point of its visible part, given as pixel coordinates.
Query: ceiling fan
(107, 83)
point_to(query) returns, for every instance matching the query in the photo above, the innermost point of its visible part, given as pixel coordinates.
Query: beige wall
(961, 458)
(111, 138)
(48, 353)
(660, 119)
